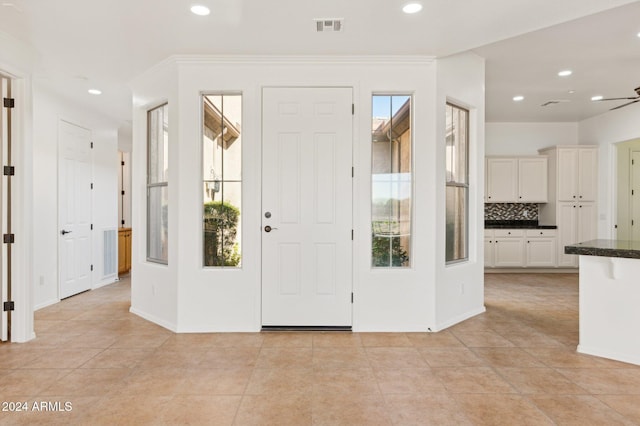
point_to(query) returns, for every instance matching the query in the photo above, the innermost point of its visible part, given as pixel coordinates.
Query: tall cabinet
(572, 206)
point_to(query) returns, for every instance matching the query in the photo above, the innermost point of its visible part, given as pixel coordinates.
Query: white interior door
(74, 204)
(635, 196)
(307, 206)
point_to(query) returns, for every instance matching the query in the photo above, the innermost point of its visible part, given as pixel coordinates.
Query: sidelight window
(457, 186)
(157, 184)
(222, 179)
(391, 168)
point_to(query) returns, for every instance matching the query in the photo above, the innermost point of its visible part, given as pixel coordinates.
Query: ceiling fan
(633, 99)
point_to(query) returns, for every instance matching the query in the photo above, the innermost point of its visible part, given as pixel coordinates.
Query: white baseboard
(604, 353)
(154, 319)
(458, 319)
(530, 270)
(45, 304)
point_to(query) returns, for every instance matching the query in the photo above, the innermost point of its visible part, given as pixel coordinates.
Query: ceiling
(82, 44)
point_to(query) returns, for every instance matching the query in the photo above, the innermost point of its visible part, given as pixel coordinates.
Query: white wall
(527, 138)
(48, 110)
(605, 130)
(186, 297)
(460, 287)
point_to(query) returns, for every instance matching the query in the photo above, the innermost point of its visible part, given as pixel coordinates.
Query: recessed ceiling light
(565, 73)
(412, 8)
(597, 98)
(638, 35)
(199, 9)
(95, 91)
(571, 92)
(518, 98)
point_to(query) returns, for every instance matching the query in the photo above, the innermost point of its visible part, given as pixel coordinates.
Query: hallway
(515, 364)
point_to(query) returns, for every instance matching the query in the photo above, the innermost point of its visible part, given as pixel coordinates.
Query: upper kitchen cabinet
(516, 180)
(576, 173)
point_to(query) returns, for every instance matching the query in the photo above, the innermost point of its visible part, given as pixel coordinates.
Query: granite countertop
(516, 224)
(606, 248)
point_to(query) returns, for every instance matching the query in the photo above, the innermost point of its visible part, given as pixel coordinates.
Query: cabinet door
(488, 253)
(567, 170)
(502, 180)
(541, 252)
(587, 222)
(567, 233)
(509, 253)
(587, 174)
(532, 180)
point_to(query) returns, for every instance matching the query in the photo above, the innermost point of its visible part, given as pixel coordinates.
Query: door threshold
(305, 328)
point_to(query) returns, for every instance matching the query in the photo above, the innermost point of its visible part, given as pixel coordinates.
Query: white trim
(46, 304)
(530, 270)
(169, 326)
(459, 318)
(604, 353)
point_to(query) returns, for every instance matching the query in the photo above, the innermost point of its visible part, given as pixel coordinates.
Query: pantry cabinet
(516, 179)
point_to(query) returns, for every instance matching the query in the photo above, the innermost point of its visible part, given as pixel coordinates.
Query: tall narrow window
(222, 180)
(157, 184)
(391, 181)
(457, 192)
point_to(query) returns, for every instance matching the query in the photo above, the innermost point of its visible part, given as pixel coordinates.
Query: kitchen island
(609, 298)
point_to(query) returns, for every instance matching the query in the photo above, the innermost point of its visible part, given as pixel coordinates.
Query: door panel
(74, 192)
(306, 199)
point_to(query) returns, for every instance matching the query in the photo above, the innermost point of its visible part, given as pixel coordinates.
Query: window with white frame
(222, 179)
(457, 189)
(157, 184)
(391, 181)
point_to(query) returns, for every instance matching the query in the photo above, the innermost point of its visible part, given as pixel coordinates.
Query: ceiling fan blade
(624, 105)
(619, 99)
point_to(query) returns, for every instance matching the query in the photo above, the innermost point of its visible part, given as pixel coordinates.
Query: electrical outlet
(41, 281)
(461, 288)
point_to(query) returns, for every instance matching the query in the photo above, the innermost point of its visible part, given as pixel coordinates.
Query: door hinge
(9, 102)
(9, 238)
(9, 170)
(353, 171)
(122, 221)
(92, 226)
(615, 226)
(122, 192)
(122, 163)
(352, 235)
(91, 145)
(9, 306)
(353, 109)
(351, 297)
(92, 267)
(91, 185)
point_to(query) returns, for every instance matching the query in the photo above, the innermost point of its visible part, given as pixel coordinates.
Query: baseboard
(530, 270)
(458, 319)
(603, 353)
(45, 304)
(154, 319)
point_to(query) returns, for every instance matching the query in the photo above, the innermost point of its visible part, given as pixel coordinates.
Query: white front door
(635, 196)
(74, 205)
(306, 206)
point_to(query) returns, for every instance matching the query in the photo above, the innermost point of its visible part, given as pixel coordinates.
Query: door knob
(269, 229)
(63, 232)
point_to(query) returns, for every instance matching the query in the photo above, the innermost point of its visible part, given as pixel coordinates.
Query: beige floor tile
(23, 382)
(200, 410)
(233, 357)
(200, 341)
(51, 410)
(395, 357)
(285, 357)
(280, 381)
(434, 340)
(532, 340)
(501, 409)
(578, 410)
(141, 341)
(219, 381)
(450, 357)
(118, 358)
(424, 410)
(385, 340)
(568, 358)
(287, 339)
(132, 409)
(63, 358)
(274, 410)
(345, 381)
(627, 405)
(409, 380)
(188, 357)
(605, 381)
(153, 382)
(342, 357)
(89, 382)
(365, 410)
(472, 380)
(482, 339)
(539, 381)
(507, 357)
(238, 340)
(337, 340)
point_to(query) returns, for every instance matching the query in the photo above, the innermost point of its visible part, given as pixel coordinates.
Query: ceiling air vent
(329, 25)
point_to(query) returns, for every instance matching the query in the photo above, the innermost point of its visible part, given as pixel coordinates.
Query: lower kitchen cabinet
(520, 248)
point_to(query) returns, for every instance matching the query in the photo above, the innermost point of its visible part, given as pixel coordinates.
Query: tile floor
(514, 365)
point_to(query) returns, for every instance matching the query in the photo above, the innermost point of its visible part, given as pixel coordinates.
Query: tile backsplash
(510, 211)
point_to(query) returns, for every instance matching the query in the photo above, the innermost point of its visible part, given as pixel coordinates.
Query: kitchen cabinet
(573, 182)
(516, 179)
(520, 248)
(124, 250)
